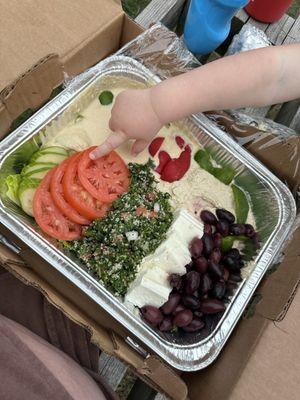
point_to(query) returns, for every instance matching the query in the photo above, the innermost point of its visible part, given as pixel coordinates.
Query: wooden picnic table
(170, 13)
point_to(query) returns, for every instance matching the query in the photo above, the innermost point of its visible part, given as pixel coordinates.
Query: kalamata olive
(237, 229)
(205, 284)
(196, 247)
(208, 244)
(189, 266)
(222, 227)
(192, 282)
(249, 230)
(208, 217)
(218, 290)
(183, 318)
(207, 229)
(235, 277)
(217, 238)
(224, 214)
(198, 314)
(215, 256)
(171, 304)
(215, 270)
(152, 315)
(191, 301)
(230, 288)
(256, 239)
(225, 274)
(212, 306)
(230, 262)
(200, 265)
(166, 325)
(234, 253)
(179, 308)
(194, 326)
(175, 281)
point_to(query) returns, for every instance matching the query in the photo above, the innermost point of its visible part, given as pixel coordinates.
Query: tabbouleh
(113, 247)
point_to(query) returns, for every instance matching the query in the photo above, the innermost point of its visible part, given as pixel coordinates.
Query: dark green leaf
(225, 174)
(203, 159)
(241, 205)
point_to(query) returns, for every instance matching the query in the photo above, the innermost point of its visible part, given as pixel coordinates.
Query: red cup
(267, 10)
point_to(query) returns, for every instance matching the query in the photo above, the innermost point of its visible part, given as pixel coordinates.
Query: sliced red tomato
(48, 216)
(76, 195)
(57, 193)
(105, 178)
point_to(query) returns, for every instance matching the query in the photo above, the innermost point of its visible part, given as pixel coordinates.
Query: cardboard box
(50, 39)
(53, 38)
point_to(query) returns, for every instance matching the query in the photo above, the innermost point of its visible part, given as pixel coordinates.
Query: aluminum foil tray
(272, 204)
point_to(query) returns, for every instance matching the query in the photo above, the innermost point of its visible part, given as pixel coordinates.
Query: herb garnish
(135, 226)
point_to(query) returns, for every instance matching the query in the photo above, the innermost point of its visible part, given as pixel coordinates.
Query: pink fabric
(31, 368)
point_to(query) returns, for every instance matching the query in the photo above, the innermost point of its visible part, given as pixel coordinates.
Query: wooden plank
(278, 31)
(294, 34)
(256, 112)
(242, 15)
(167, 12)
(112, 370)
(295, 123)
(289, 115)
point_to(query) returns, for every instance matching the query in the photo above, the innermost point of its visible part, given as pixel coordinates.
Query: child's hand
(132, 117)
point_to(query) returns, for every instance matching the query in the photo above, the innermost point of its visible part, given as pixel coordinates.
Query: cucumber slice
(48, 158)
(39, 174)
(54, 149)
(13, 183)
(36, 167)
(26, 192)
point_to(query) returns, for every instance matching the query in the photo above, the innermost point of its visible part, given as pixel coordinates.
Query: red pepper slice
(155, 145)
(175, 169)
(180, 142)
(164, 158)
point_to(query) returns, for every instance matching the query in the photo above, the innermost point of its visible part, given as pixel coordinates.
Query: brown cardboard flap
(278, 292)
(94, 49)
(5, 119)
(33, 87)
(130, 30)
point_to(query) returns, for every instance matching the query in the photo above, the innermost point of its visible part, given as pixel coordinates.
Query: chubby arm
(255, 78)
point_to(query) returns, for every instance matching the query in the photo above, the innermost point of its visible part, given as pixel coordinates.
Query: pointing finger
(114, 140)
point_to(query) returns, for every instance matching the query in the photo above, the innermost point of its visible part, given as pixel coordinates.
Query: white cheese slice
(151, 288)
(172, 256)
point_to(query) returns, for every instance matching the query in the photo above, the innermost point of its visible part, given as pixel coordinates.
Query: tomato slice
(76, 195)
(105, 178)
(57, 193)
(48, 216)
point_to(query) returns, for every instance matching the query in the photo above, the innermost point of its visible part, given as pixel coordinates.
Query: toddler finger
(114, 140)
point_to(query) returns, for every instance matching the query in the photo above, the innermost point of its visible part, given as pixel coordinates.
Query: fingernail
(92, 156)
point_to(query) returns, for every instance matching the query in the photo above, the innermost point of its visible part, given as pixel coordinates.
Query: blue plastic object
(208, 23)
